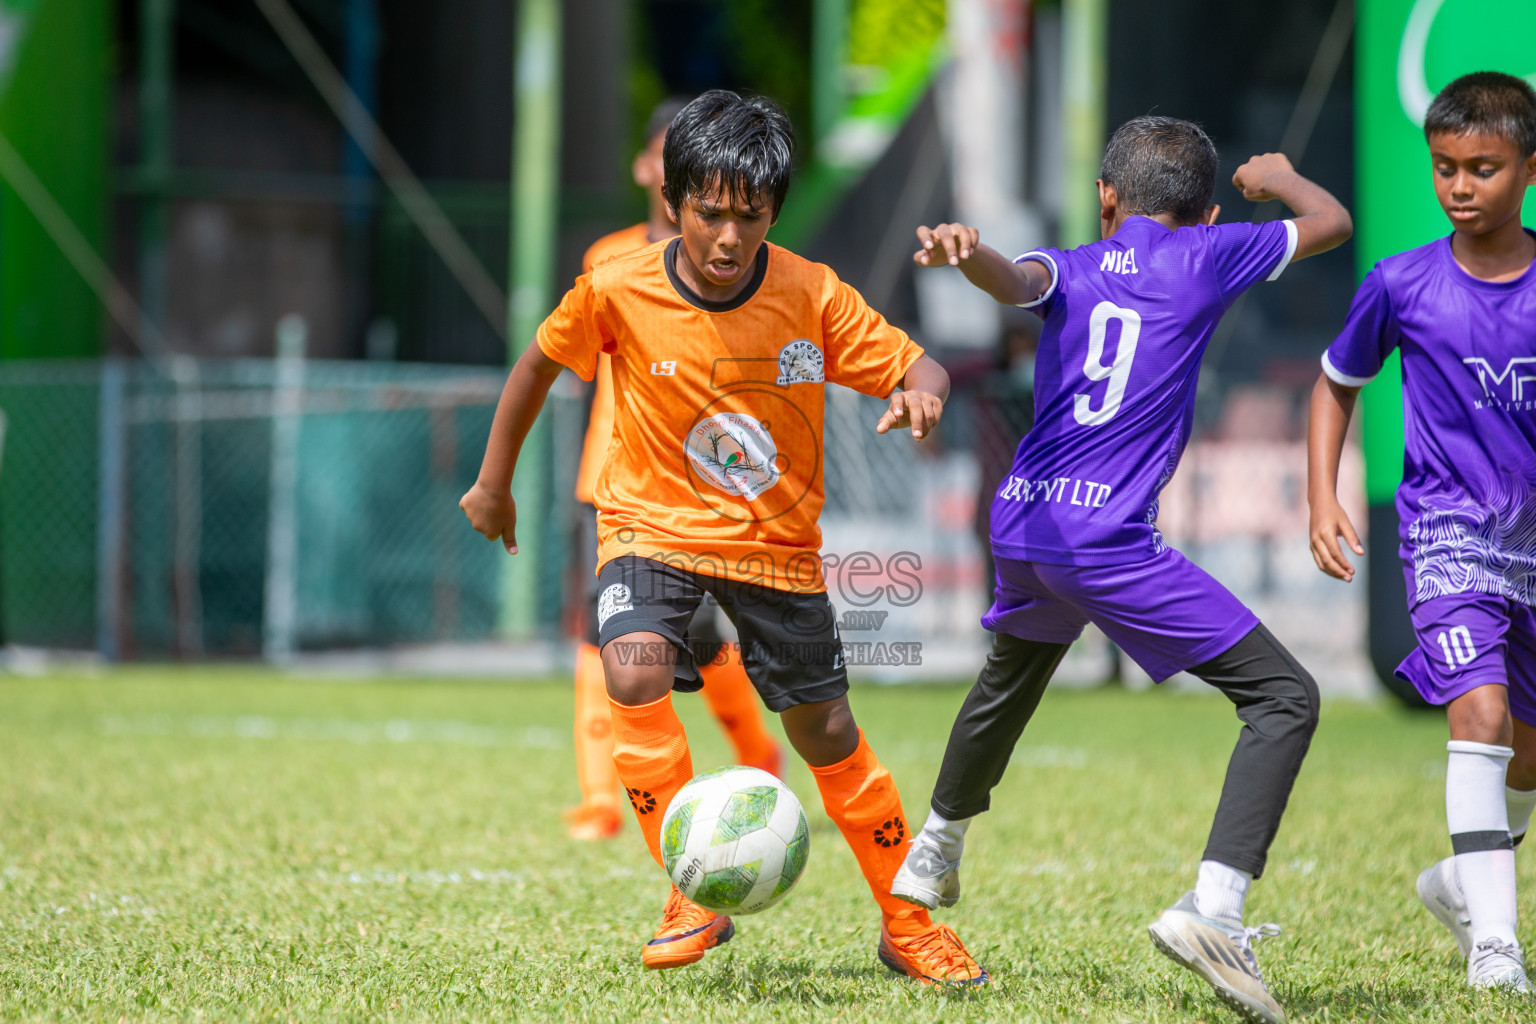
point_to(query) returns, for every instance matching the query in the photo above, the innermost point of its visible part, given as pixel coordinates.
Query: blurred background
(256, 259)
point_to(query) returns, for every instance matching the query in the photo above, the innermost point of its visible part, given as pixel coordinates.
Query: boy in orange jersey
(727, 689)
(721, 345)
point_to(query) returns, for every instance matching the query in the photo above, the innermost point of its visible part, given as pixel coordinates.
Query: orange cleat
(686, 931)
(591, 822)
(936, 957)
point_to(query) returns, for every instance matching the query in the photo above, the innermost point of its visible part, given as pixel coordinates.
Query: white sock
(948, 836)
(1220, 890)
(1519, 803)
(1479, 826)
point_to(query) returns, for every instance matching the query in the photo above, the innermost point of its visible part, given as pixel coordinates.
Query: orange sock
(860, 797)
(733, 700)
(595, 773)
(650, 751)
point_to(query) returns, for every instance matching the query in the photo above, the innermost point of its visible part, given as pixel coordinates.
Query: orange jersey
(716, 464)
(600, 425)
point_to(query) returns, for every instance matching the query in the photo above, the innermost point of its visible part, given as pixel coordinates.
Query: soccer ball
(735, 840)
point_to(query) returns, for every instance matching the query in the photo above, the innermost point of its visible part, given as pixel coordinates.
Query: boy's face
(1480, 180)
(721, 239)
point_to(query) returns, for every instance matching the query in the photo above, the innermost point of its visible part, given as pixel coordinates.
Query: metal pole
(534, 237)
(157, 22)
(111, 489)
(362, 62)
(280, 614)
(188, 546)
(1083, 43)
(829, 45)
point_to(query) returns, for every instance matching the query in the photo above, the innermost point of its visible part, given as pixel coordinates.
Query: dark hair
(723, 144)
(1161, 165)
(1486, 103)
(661, 117)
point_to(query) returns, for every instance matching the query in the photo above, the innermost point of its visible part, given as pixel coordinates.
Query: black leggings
(1275, 697)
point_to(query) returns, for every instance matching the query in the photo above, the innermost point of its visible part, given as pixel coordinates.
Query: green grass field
(238, 845)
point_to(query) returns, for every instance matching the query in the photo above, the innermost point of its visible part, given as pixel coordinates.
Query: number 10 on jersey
(1457, 645)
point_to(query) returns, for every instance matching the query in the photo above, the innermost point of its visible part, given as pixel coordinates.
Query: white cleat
(1440, 892)
(1497, 964)
(1221, 952)
(927, 879)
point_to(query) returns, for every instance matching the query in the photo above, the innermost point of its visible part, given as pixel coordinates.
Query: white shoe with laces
(1221, 952)
(1495, 963)
(926, 879)
(1440, 892)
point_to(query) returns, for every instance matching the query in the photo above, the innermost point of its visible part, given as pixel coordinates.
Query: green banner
(873, 59)
(55, 84)
(1406, 51)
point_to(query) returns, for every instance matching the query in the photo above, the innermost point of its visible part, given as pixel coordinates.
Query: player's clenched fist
(916, 409)
(1252, 179)
(493, 514)
(945, 244)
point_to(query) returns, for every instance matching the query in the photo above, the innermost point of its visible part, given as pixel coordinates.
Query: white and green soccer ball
(735, 840)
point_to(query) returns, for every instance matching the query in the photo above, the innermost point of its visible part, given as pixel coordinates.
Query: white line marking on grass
(348, 730)
(104, 905)
(123, 905)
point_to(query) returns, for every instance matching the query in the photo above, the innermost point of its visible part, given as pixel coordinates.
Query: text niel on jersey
(1117, 262)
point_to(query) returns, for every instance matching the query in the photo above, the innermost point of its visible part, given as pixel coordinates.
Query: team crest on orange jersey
(800, 362)
(734, 453)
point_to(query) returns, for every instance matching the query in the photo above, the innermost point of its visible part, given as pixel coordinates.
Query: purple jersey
(1467, 504)
(1126, 322)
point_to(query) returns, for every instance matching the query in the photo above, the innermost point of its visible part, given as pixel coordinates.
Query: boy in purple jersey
(1462, 311)
(1074, 523)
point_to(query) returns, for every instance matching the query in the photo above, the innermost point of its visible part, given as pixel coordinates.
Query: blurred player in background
(1127, 320)
(722, 346)
(727, 689)
(1462, 311)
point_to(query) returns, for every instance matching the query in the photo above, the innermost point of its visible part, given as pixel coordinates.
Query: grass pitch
(239, 845)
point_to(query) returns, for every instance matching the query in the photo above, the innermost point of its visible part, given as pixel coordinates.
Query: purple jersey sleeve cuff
(1043, 258)
(1340, 377)
(1290, 251)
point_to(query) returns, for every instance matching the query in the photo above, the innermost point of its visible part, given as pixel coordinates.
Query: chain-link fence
(235, 507)
(257, 507)
(1237, 507)
(247, 507)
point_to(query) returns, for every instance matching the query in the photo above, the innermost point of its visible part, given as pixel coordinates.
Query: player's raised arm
(1321, 223)
(1328, 422)
(920, 402)
(956, 245)
(488, 504)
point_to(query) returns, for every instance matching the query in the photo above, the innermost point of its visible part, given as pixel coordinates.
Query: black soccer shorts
(705, 639)
(789, 641)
